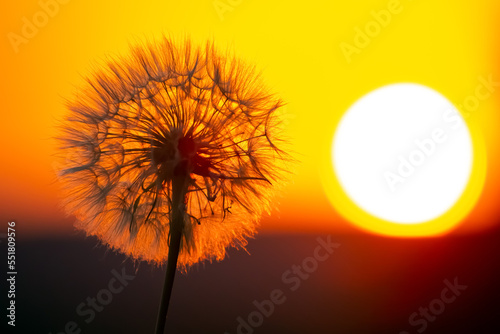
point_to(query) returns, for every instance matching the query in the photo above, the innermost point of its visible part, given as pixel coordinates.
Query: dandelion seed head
(168, 106)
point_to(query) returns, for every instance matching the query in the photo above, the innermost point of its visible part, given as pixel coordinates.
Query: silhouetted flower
(166, 107)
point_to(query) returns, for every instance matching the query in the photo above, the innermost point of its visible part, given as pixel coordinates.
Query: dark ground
(368, 285)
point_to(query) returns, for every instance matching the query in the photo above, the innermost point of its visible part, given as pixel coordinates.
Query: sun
(404, 162)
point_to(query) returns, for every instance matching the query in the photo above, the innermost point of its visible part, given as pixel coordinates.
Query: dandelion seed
(173, 145)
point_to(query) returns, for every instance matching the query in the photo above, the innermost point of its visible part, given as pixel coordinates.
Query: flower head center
(199, 163)
(186, 147)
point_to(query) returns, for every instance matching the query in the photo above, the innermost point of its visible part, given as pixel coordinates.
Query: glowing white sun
(403, 153)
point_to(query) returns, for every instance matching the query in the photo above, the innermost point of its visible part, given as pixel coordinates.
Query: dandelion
(170, 155)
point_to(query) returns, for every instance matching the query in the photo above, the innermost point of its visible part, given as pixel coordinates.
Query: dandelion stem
(179, 193)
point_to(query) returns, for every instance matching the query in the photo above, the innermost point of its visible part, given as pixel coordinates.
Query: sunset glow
(319, 59)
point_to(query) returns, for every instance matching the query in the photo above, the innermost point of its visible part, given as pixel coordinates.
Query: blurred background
(311, 55)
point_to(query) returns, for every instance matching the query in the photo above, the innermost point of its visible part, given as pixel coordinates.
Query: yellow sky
(298, 46)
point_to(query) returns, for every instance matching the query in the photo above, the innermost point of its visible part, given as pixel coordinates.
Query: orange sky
(446, 46)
